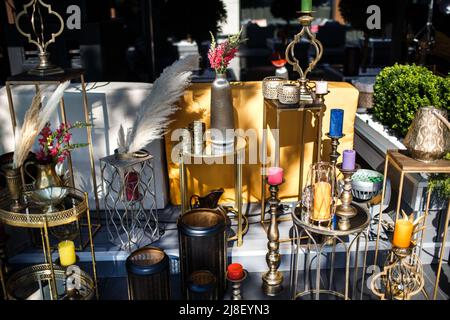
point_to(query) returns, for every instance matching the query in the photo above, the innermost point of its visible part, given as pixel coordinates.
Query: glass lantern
(318, 195)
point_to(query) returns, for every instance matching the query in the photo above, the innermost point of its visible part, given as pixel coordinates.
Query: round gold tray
(32, 216)
(32, 281)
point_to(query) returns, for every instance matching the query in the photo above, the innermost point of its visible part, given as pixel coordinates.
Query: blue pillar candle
(336, 123)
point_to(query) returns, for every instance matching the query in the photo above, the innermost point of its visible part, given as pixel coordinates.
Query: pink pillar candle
(349, 160)
(275, 176)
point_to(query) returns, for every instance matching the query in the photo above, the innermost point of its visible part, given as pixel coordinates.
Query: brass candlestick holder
(402, 276)
(236, 285)
(334, 155)
(305, 20)
(38, 37)
(320, 97)
(346, 211)
(273, 279)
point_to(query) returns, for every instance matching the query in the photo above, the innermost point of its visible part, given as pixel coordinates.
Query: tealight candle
(402, 234)
(349, 160)
(322, 201)
(235, 271)
(321, 87)
(275, 176)
(336, 123)
(67, 256)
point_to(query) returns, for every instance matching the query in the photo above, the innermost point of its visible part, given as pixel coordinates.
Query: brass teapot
(428, 138)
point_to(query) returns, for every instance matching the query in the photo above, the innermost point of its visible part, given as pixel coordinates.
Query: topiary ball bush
(400, 90)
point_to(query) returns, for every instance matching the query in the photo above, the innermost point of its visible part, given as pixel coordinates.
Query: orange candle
(322, 201)
(402, 234)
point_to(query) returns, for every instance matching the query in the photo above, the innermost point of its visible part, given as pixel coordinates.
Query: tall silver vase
(428, 138)
(222, 113)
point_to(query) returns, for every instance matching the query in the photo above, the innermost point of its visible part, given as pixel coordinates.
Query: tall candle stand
(236, 285)
(273, 279)
(334, 155)
(346, 211)
(305, 20)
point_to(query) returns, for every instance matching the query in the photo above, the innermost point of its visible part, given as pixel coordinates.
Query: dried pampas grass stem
(35, 120)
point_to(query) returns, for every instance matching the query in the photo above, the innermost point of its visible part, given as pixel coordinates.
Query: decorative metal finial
(38, 38)
(305, 20)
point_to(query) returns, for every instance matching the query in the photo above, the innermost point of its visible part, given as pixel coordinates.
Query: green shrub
(401, 90)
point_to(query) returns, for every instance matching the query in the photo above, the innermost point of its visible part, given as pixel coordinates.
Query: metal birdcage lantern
(128, 185)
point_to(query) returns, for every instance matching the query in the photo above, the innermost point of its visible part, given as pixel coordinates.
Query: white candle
(321, 87)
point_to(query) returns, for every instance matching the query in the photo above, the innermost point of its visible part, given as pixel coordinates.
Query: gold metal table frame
(37, 81)
(401, 161)
(317, 111)
(319, 237)
(44, 221)
(238, 155)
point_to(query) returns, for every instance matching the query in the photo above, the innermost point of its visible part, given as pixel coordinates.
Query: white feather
(50, 107)
(121, 142)
(153, 117)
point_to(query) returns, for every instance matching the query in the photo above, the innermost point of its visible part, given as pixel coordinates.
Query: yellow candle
(322, 201)
(402, 234)
(67, 256)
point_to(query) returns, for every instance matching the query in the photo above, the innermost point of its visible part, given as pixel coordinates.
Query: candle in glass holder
(336, 123)
(67, 256)
(235, 271)
(322, 201)
(275, 176)
(306, 5)
(402, 234)
(349, 160)
(321, 87)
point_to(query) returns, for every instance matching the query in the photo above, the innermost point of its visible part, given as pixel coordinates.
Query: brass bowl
(49, 198)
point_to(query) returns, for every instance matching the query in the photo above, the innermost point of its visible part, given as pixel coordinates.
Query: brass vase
(222, 113)
(428, 138)
(46, 176)
(14, 184)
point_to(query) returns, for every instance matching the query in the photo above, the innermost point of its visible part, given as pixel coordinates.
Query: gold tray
(29, 280)
(36, 219)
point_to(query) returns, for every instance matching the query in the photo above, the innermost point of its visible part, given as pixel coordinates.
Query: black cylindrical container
(203, 246)
(148, 274)
(202, 286)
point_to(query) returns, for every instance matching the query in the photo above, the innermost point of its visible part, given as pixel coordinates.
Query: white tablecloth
(110, 104)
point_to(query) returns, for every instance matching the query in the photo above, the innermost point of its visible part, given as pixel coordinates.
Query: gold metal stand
(33, 218)
(401, 161)
(317, 111)
(208, 156)
(318, 238)
(273, 279)
(38, 81)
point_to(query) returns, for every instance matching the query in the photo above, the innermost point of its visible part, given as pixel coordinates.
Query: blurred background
(133, 40)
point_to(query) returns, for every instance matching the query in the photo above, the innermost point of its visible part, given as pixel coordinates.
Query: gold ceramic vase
(428, 138)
